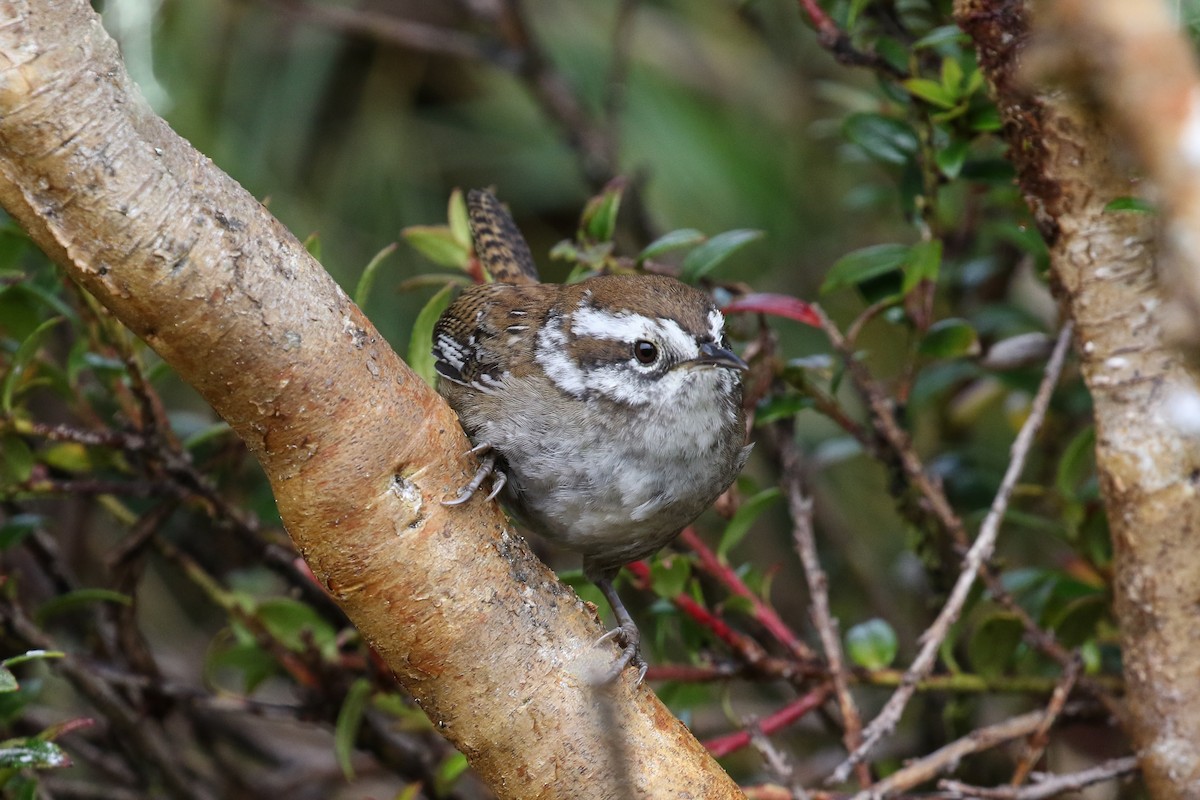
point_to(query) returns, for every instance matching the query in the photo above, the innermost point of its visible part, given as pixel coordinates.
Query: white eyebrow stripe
(716, 324)
(628, 327)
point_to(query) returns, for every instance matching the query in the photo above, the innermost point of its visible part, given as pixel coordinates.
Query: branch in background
(800, 507)
(838, 42)
(1041, 737)
(979, 553)
(1047, 787)
(947, 758)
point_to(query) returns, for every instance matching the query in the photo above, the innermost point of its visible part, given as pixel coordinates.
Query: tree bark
(358, 450)
(1104, 266)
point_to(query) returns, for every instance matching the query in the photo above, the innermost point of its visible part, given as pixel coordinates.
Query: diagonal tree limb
(358, 450)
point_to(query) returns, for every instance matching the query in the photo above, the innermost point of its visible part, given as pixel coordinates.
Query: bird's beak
(713, 355)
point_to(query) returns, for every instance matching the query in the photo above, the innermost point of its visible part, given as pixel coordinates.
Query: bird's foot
(629, 639)
(487, 467)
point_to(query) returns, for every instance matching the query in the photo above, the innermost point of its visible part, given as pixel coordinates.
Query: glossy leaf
(708, 256)
(871, 644)
(931, 92)
(923, 263)
(993, 643)
(1077, 463)
(883, 138)
(862, 265)
(599, 220)
(950, 159)
(776, 305)
(459, 219)
(16, 460)
(70, 601)
(18, 526)
(438, 244)
(32, 754)
(295, 624)
(21, 360)
(8, 681)
(349, 719)
(669, 575)
(675, 240)
(420, 346)
(746, 514)
(366, 281)
(1135, 204)
(950, 338)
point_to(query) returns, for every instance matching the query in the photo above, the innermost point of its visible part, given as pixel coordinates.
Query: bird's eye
(645, 352)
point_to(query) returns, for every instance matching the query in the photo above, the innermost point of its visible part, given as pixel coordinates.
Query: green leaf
(739, 526)
(32, 754)
(946, 34)
(420, 345)
(1137, 205)
(438, 244)
(856, 8)
(862, 265)
(952, 76)
(313, 245)
(292, 622)
(950, 159)
(16, 460)
(80, 597)
(1077, 622)
(8, 681)
(924, 262)
(871, 644)
(460, 221)
(675, 240)
(21, 359)
(449, 771)
(1077, 463)
(68, 456)
(883, 138)
(669, 575)
(993, 643)
(599, 220)
(931, 92)
(349, 719)
(32, 655)
(366, 281)
(780, 406)
(249, 660)
(950, 338)
(705, 258)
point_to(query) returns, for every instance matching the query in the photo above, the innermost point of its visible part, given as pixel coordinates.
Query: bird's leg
(487, 466)
(626, 634)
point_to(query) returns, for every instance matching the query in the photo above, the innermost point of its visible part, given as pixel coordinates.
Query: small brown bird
(609, 411)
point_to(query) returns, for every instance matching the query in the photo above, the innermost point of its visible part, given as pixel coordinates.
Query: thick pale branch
(1103, 263)
(358, 450)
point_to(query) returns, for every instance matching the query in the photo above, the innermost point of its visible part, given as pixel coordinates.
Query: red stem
(762, 612)
(724, 745)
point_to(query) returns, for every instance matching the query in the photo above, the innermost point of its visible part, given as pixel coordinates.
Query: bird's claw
(487, 466)
(629, 640)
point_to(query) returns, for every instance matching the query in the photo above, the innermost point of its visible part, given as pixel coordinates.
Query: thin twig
(979, 553)
(1048, 786)
(838, 42)
(778, 763)
(1041, 737)
(800, 506)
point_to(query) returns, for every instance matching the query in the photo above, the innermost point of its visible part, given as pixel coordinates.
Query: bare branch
(979, 553)
(1048, 786)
